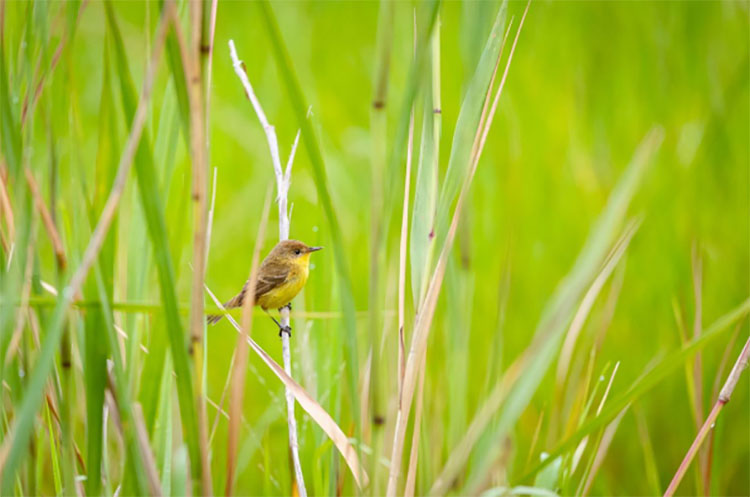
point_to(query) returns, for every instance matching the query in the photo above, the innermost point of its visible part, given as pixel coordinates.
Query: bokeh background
(587, 82)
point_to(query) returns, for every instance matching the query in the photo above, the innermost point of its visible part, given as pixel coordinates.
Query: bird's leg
(282, 329)
(286, 329)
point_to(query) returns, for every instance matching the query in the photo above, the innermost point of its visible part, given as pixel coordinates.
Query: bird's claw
(285, 329)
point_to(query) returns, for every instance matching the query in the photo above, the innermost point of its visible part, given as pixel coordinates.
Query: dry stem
(424, 319)
(724, 396)
(110, 207)
(283, 178)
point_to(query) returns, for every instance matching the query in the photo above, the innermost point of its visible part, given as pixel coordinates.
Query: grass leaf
(154, 214)
(647, 381)
(468, 122)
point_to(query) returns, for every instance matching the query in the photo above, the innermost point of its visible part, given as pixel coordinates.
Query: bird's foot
(288, 306)
(285, 329)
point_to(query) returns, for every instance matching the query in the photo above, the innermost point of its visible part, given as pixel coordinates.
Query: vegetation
(535, 218)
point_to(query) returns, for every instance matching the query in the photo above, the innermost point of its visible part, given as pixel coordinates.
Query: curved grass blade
(154, 214)
(15, 444)
(410, 94)
(469, 119)
(311, 406)
(423, 323)
(558, 311)
(95, 371)
(647, 381)
(425, 193)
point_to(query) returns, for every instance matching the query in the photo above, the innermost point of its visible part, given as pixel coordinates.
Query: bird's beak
(314, 249)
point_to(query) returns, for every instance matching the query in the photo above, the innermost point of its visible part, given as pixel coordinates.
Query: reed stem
(709, 423)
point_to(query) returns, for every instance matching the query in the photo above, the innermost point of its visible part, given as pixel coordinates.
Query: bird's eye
(298, 251)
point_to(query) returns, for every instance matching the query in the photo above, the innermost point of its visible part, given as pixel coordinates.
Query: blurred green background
(587, 81)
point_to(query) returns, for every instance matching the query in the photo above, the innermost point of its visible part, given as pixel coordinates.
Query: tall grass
(529, 213)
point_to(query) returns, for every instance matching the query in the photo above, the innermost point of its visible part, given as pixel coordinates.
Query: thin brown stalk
(47, 221)
(207, 57)
(424, 319)
(147, 456)
(141, 433)
(724, 396)
(51, 404)
(708, 460)
(239, 370)
(191, 56)
(364, 395)
(108, 212)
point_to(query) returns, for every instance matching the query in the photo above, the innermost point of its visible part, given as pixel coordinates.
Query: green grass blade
(154, 214)
(413, 82)
(95, 371)
(9, 129)
(425, 193)
(57, 477)
(647, 381)
(163, 430)
(178, 70)
(468, 123)
(26, 411)
(135, 472)
(559, 309)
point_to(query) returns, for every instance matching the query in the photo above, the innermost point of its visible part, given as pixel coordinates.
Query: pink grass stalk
(708, 424)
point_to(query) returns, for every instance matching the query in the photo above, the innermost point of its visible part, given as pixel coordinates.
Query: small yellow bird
(281, 276)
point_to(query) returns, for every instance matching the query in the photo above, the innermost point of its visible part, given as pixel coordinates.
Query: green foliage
(560, 174)
(153, 213)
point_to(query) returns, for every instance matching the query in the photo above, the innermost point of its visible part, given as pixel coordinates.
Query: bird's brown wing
(270, 275)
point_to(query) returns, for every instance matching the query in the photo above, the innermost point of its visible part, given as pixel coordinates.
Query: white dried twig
(283, 180)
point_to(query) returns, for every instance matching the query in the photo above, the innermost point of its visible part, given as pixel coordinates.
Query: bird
(281, 276)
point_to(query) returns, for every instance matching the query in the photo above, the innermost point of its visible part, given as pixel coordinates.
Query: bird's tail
(214, 318)
(235, 302)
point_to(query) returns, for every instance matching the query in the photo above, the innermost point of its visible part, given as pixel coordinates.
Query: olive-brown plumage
(281, 276)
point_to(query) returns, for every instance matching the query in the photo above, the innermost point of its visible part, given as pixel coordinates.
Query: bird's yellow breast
(283, 294)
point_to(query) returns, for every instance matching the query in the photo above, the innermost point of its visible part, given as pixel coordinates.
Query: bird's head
(293, 251)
